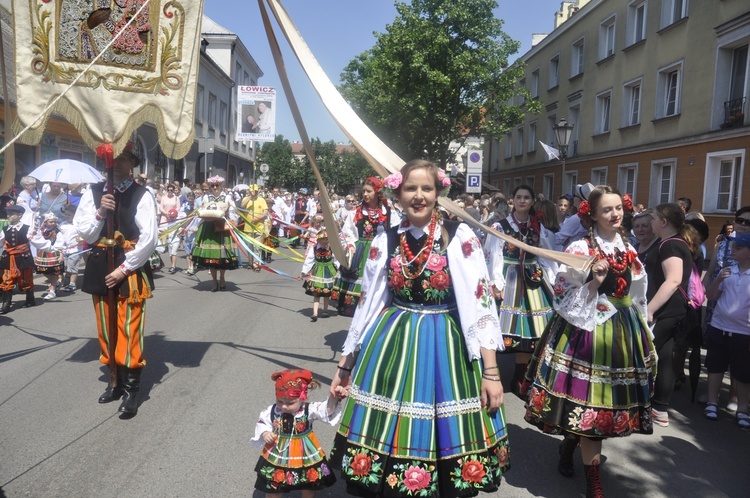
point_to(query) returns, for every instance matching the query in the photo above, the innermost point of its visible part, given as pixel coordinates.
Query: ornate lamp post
(563, 132)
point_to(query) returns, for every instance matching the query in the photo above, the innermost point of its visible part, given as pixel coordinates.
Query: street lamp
(563, 132)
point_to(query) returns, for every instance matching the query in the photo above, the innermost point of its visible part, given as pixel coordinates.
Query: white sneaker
(50, 296)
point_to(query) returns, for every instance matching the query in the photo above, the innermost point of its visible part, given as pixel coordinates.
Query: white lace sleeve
(493, 250)
(264, 424)
(328, 412)
(549, 268)
(572, 299)
(309, 261)
(375, 293)
(471, 284)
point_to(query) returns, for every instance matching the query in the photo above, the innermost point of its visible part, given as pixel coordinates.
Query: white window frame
(632, 97)
(223, 110)
(712, 188)
(211, 111)
(657, 167)
(731, 36)
(664, 79)
(520, 141)
(669, 11)
(551, 122)
(549, 185)
(577, 57)
(506, 187)
(570, 180)
(199, 97)
(607, 37)
(603, 109)
(532, 137)
(597, 173)
(508, 146)
(554, 71)
(534, 88)
(622, 179)
(637, 23)
(530, 181)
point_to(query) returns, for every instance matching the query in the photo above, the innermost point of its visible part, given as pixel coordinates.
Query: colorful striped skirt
(348, 286)
(214, 247)
(524, 312)
(594, 384)
(321, 279)
(413, 424)
(293, 462)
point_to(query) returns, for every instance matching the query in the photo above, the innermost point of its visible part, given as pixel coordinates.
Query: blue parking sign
(474, 180)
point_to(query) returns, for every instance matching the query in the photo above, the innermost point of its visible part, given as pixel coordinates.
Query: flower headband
(215, 179)
(392, 182)
(584, 209)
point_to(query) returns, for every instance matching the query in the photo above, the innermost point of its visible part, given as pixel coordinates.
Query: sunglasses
(745, 222)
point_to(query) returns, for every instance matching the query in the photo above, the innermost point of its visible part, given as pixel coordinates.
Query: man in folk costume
(135, 239)
(16, 262)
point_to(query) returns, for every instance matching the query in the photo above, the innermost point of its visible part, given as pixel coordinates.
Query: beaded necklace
(619, 262)
(524, 235)
(420, 260)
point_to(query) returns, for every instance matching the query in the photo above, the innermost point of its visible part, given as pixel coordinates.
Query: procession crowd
(599, 345)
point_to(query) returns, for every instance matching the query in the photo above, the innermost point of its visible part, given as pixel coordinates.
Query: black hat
(13, 208)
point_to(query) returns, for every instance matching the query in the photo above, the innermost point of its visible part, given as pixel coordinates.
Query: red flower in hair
(584, 210)
(627, 202)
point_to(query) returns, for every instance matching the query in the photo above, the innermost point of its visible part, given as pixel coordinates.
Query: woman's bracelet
(344, 368)
(495, 379)
(490, 368)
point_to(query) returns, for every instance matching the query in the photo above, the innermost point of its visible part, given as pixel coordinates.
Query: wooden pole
(111, 292)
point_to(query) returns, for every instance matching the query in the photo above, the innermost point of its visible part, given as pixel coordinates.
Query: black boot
(115, 393)
(593, 482)
(567, 449)
(6, 299)
(30, 300)
(517, 382)
(129, 404)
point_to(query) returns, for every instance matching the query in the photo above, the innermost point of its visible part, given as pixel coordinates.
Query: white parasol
(241, 186)
(67, 171)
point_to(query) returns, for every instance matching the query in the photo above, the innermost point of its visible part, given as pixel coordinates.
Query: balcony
(734, 113)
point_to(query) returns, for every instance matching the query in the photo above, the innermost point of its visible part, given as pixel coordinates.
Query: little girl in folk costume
(319, 272)
(50, 242)
(292, 458)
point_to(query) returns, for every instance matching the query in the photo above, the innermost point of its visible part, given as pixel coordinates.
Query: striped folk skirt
(214, 247)
(594, 383)
(348, 286)
(293, 462)
(413, 424)
(524, 312)
(321, 279)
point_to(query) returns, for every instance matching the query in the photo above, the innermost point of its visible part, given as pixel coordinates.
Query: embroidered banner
(147, 74)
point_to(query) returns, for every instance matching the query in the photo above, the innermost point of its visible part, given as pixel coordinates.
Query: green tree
(281, 164)
(439, 73)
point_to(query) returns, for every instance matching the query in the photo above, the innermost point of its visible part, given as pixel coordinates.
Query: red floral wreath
(627, 203)
(584, 211)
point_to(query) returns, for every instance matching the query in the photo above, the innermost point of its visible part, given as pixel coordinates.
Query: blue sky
(336, 31)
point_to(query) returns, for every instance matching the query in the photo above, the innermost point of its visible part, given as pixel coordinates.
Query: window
(532, 137)
(603, 112)
(672, 11)
(607, 38)
(554, 71)
(731, 81)
(199, 104)
(551, 123)
(508, 146)
(636, 22)
(574, 114)
(506, 187)
(599, 176)
(570, 181)
(520, 143)
(211, 110)
(517, 181)
(626, 179)
(576, 62)
(724, 172)
(669, 81)
(662, 181)
(534, 89)
(631, 104)
(223, 109)
(530, 181)
(549, 185)
(237, 72)
(245, 78)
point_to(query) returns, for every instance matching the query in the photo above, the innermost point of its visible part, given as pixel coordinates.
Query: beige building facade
(657, 91)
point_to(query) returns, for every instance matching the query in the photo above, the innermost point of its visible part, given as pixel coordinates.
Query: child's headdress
(292, 383)
(50, 216)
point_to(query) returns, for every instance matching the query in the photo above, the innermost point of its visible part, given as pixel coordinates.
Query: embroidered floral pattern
(374, 252)
(277, 478)
(603, 422)
(478, 471)
(362, 465)
(483, 293)
(432, 286)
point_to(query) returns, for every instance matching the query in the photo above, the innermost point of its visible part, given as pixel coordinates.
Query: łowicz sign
(256, 119)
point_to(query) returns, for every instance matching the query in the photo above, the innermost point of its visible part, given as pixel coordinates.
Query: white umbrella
(67, 171)
(241, 186)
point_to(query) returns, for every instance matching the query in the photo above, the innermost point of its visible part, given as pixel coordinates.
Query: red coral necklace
(420, 260)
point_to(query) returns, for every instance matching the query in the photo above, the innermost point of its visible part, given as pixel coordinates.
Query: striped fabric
(348, 286)
(214, 247)
(321, 279)
(294, 451)
(524, 312)
(415, 403)
(596, 384)
(131, 322)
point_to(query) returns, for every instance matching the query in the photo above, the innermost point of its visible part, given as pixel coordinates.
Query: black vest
(96, 265)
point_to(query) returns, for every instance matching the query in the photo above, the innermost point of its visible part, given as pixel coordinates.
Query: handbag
(533, 276)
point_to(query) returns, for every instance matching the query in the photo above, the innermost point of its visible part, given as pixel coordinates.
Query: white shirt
(732, 314)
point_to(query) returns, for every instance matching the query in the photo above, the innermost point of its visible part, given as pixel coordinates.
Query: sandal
(711, 412)
(743, 420)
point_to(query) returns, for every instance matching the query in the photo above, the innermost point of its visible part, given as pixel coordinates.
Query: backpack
(696, 293)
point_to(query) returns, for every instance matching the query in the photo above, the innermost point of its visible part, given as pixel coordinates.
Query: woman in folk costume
(319, 272)
(592, 374)
(49, 242)
(16, 261)
(424, 413)
(518, 280)
(292, 458)
(371, 218)
(213, 247)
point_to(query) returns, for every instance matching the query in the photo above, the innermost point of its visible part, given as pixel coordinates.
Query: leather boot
(567, 449)
(129, 404)
(6, 300)
(593, 482)
(115, 393)
(30, 300)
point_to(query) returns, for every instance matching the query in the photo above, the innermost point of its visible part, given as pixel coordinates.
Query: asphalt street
(210, 357)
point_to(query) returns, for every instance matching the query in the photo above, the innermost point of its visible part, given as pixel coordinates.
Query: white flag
(551, 152)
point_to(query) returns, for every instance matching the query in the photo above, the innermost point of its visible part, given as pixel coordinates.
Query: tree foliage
(439, 72)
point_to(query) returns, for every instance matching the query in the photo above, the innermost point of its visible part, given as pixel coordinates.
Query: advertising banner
(256, 116)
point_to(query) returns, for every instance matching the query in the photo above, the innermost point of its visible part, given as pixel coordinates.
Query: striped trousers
(131, 321)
